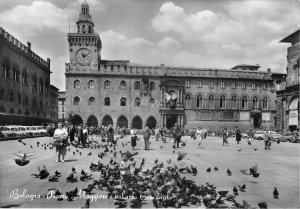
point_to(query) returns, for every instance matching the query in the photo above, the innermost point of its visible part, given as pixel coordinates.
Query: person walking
(71, 132)
(199, 135)
(79, 135)
(110, 135)
(134, 138)
(250, 135)
(238, 135)
(267, 139)
(177, 135)
(225, 134)
(61, 142)
(84, 136)
(147, 134)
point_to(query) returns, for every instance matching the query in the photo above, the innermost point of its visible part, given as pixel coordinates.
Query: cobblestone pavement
(278, 167)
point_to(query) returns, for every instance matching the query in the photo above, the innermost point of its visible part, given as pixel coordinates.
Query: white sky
(207, 33)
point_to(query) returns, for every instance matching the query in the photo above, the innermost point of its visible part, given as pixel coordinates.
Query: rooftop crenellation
(26, 50)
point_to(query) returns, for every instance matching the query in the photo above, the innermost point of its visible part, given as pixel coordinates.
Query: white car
(259, 135)
(41, 131)
(32, 130)
(12, 132)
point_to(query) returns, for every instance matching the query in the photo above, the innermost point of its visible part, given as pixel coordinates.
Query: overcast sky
(189, 33)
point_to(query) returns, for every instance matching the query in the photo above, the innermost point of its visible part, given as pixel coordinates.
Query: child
(133, 140)
(124, 168)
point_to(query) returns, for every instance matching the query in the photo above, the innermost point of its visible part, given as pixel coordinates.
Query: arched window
(76, 84)
(34, 82)
(188, 101)
(152, 85)
(222, 102)
(91, 84)
(12, 111)
(137, 85)
(199, 101)
(106, 101)
(106, 85)
(91, 101)
(16, 72)
(5, 68)
(123, 85)
(151, 101)
(137, 102)
(244, 102)
(211, 101)
(255, 103)
(76, 101)
(233, 102)
(265, 103)
(25, 78)
(123, 101)
(41, 86)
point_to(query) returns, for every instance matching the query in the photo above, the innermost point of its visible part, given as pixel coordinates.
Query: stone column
(284, 118)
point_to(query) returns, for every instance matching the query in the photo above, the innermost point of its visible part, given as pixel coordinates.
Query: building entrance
(171, 120)
(256, 121)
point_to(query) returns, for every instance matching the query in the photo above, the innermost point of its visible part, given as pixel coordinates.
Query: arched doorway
(137, 123)
(151, 122)
(171, 120)
(122, 122)
(76, 120)
(92, 121)
(107, 120)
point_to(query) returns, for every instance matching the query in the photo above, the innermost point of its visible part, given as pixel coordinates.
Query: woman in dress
(61, 141)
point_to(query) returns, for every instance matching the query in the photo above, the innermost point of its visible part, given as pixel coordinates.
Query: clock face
(83, 56)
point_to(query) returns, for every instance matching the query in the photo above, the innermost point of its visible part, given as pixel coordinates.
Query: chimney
(29, 46)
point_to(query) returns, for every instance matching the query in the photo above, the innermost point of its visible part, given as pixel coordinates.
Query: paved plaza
(278, 167)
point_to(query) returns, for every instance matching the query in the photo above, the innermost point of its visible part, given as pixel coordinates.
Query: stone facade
(287, 99)
(24, 83)
(62, 106)
(123, 94)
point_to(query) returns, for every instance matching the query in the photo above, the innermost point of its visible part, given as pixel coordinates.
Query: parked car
(258, 135)
(291, 137)
(2, 138)
(11, 132)
(32, 130)
(245, 135)
(22, 131)
(275, 136)
(41, 131)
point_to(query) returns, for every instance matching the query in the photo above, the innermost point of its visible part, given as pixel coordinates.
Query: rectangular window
(105, 67)
(263, 86)
(243, 85)
(222, 85)
(253, 86)
(63, 116)
(233, 85)
(187, 84)
(211, 85)
(199, 84)
(62, 109)
(19, 98)
(11, 97)
(1, 94)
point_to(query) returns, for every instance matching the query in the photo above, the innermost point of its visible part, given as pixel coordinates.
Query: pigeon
(22, 161)
(43, 173)
(57, 173)
(181, 156)
(121, 204)
(275, 193)
(89, 154)
(80, 153)
(169, 161)
(73, 170)
(194, 170)
(31, 146)
(255, 149)
(156, 161)
(235, 191)
(53, 178)
(87, 204)
(71, 178)
(216, 168)
(74, 153)
(161, 147)
(72, 194)
(223, 193)
(58, 195)
(242, 188)
(208, 170)
(229, 172)
(240, 150)
(262, 205)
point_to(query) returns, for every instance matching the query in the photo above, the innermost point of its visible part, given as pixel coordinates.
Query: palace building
(288, 98)
(117, 92)
(25, 91)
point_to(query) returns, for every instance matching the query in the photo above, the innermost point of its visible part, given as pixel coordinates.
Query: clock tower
(85, 45)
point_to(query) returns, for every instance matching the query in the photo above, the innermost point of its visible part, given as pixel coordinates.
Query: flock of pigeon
(165, 183)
